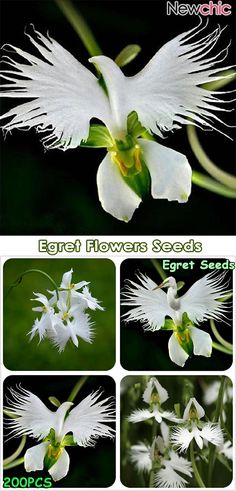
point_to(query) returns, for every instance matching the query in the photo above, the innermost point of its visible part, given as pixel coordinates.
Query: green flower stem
(80, 26)
(219, 338)
(195, 469)
(159, 268)
(218, 174)
(219, 347)
(77, 388)
(152, 473)
(15, 463)
(218, 411)
(17, 452)
(212, 185)
(28, 271)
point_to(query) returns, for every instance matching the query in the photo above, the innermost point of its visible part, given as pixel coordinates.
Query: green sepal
(186, 322)
(140, 182)
(54, 401)
(169, 325)
(224, 461)
(68, 441)
(180, 285)
(177, 410)
(134, 127)
(127, 54)
(126, 144)
(99, 137)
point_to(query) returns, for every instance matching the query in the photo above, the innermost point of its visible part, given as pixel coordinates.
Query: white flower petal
(180, 464)
(177, 354)
(66, 279)
(197, 436)
(170, 172)
(168, 478)
(198, 407)
(34, 457)
(65, 95)
(87, 420)
(116, 197)
(149, 304)
(202, 342)
(151, 385)
(140, 415)
(165, 431)
(212, 432)
(181, 437)
(227, 450)
(61, 467)
(140, 457)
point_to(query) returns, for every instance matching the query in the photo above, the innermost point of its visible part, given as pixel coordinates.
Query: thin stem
(152, 473)
(219, 407)
(207, 164)
(212, 185)
(159, 268)
(28, 271)
(81, 27)
(219, 337)
(195, 469)
(219, 347)
(17, 452)
(77, 388)
(15, 463)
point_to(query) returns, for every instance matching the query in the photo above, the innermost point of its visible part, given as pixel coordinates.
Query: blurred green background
(150, 349)
(55, 192)
(20, 354)
(132, 388)
(89, 466)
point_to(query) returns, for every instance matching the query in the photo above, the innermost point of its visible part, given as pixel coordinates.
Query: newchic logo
(204, 9)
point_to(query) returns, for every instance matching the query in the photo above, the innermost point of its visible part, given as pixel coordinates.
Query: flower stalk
(28, 271)
(77, 388)
(195, 469)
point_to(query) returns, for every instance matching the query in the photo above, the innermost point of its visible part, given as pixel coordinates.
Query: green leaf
(223, 460)
(127, 54)
(99, 137)
(177, 410)
(54, 401)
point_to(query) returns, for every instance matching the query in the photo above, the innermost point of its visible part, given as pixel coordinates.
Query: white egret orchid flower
(63, 314)
(195, 429)
(164, 461)
(82, 426)
(154, 395)
(151, 306)
(166, 94)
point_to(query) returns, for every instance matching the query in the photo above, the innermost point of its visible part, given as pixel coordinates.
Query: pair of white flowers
(165, 95)
(63, 314)
(81, 425)
(161, 456)
(151, 306)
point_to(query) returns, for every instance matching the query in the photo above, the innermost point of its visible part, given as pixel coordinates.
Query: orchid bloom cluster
(63, 315)
(168, 93)
(157, 310)
(160, 456)
(81, 425)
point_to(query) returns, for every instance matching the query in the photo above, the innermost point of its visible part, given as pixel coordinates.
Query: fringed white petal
(181, 438)
(213, 433)
(139, 415)
(65, 94)
(168, 478)
(116, 197)
(203, 300)
(34, 457)
(170, 172)
(149, 305)
(140, 457)
(87, 420)
(61, 467)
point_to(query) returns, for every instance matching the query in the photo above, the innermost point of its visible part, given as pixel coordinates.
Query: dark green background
(20, 354)
(146, 350)
(55, 192)
(89, 466)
